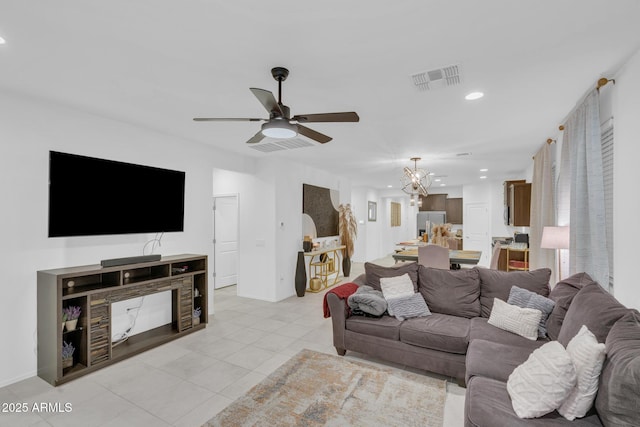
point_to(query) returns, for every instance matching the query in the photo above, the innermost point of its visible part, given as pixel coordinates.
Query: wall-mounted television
(90, 196)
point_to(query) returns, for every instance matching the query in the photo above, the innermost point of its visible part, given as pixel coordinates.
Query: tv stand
(94, 288)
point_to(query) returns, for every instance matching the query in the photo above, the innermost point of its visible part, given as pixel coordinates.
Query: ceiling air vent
(283, 144)
(437, 79)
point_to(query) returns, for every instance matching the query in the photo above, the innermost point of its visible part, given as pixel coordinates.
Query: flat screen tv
(90, 196)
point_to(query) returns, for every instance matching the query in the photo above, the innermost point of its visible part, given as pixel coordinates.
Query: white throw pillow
(543, 382)
(521, 321)
(587, 356)
(396, 287)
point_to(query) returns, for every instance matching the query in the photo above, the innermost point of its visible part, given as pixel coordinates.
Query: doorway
(225, 241)
(476, 230)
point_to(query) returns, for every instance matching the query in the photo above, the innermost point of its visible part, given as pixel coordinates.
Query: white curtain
(542, 212)
(588, 247)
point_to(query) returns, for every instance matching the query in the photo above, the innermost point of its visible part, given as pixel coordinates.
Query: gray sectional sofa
(456, 340)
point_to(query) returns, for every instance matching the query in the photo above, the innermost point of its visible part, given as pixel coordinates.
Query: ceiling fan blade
(228, 119)
(327, 117)
(267, 99)
(316, 136)
(256, 138)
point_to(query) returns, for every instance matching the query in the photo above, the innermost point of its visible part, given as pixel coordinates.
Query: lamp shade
(555, 238)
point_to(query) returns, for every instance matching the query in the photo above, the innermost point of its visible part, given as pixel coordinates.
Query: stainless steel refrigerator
(426, 220)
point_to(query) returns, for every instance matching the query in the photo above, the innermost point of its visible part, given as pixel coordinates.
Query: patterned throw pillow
(527, 299)
(408, 306)
(521, 321)
(587, 356)
(396, 287)
(542, 382)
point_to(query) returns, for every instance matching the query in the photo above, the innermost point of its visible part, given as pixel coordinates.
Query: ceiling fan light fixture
(280, 129)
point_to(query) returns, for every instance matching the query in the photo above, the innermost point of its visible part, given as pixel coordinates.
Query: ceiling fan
(280, 124)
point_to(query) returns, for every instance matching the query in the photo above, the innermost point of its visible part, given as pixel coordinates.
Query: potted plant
(67, 354)
(196, 316)
(73, 313)
(348, 229)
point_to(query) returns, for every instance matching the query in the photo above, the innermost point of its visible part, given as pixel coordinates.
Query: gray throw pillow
(408, 307)
(595, 308)
(497, 284)
(527, 299)
(453, 292)
(562, 294)
(374, 272)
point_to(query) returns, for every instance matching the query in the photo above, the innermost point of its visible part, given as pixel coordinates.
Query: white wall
(28, 130)
(626, 202)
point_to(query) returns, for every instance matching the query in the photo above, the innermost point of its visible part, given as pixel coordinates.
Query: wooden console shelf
(94, 288)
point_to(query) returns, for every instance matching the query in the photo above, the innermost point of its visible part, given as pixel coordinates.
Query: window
(396, 213)
(607, 175)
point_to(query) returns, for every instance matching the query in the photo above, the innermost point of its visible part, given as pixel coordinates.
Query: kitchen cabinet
(519, 204)
(454, 210)
(434, 202)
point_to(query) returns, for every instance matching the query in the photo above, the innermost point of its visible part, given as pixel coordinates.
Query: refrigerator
(426, 220)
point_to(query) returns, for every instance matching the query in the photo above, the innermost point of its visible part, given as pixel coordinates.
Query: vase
(346, 266)
(301, 275)
(67, 363)
(196, 321)
(307, 245)
(71, 324)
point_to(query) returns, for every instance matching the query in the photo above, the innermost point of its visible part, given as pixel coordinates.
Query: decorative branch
(348, 228)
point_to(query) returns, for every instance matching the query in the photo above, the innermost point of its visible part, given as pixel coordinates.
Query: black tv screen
(90, 196)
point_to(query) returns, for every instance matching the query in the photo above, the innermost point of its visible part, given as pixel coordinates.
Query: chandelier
(415, 182)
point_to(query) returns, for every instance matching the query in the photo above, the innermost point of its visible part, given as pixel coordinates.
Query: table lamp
(557, 238)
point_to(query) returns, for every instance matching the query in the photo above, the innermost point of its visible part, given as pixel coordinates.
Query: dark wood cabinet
(517, 203)
(434, 202)
(454, 210)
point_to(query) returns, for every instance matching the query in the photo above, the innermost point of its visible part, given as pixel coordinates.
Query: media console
(94, 288)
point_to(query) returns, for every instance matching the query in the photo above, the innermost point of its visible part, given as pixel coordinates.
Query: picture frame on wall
(372, 211)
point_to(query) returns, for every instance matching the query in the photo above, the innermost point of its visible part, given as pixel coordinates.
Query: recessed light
(474, 95)
(442, 185)
(437, 180)
(2, 41)
(389, 186)
(431, 173)
(484, 170)
(483, 177)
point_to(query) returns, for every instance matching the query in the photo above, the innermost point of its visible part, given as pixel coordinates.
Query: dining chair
(435, 256)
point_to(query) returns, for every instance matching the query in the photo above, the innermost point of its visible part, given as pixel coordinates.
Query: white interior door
(476, 230)
(225, 241)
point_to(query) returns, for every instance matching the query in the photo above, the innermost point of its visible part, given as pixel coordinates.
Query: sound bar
(129, 260)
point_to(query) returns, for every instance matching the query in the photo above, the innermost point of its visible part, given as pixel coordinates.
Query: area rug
(316, 389)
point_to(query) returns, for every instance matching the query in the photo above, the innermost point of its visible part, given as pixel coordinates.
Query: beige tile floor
(187, 381)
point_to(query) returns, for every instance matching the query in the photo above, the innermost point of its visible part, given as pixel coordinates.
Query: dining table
(456, 256)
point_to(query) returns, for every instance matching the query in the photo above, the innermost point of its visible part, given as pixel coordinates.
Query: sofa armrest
(339, 314)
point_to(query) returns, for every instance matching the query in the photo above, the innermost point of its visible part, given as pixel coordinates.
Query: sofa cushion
(527, 299)
(562, 294)
(594, 307)
(587, 355)
(542, 382)
(481, 329)
(497, 284)
(495, 360)
(454, 292)
(383, 327)
(374, 272)
(619, 391)
(437, 332)
(487, 403)
(521, 321)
